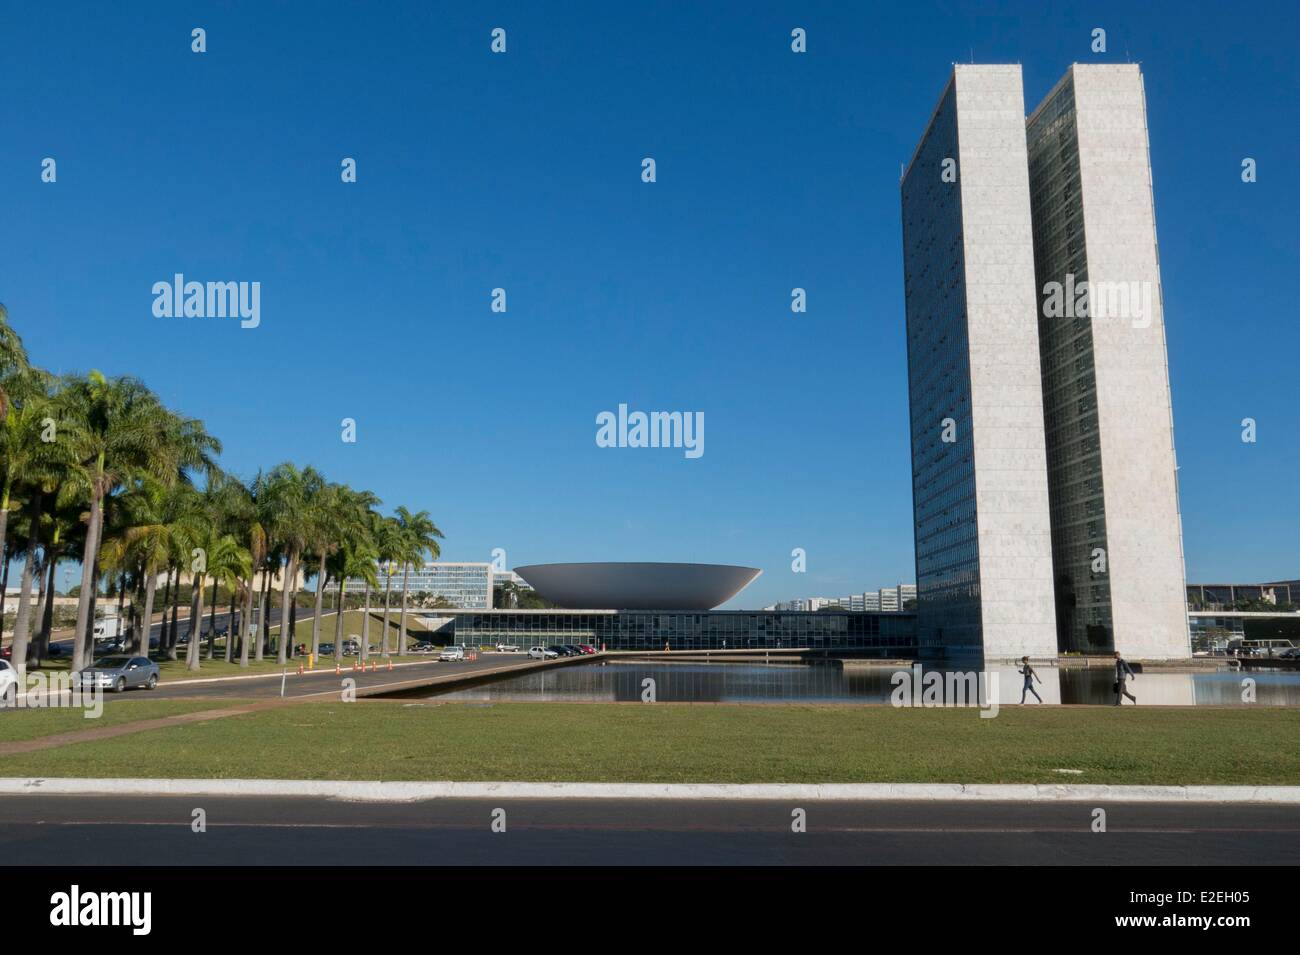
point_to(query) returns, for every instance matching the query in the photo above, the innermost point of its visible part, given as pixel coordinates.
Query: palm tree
(388, 547)
(121, 429)
(64, 521)
(215, 554)
(13, 360)
(244, 507)
(331, 519)
(419, 537)
(355, 558)
(36, 456)
(289, 493)
(25, 434)
(151, 540)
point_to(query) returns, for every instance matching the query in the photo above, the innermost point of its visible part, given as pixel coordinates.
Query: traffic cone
(337, 671)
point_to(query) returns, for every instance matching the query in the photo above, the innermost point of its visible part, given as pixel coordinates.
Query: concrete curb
(378, 791)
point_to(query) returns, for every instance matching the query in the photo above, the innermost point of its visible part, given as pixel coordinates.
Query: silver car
(120, 673)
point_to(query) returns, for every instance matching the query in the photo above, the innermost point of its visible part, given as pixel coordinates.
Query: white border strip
(378, 791)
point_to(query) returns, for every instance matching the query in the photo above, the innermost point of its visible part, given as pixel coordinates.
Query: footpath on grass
(104, 731)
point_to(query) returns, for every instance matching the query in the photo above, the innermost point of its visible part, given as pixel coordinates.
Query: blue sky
(522, 171)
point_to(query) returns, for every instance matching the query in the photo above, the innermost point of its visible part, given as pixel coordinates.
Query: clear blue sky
(522, 171)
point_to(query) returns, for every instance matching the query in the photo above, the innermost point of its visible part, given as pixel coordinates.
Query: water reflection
(829, 682)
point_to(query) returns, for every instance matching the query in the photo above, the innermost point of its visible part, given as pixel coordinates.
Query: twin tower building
(1044, 478)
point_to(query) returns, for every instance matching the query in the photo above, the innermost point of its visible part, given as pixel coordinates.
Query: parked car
(327, 649)
(351, 648)
(507, 648)
(8, 683)
(542, 653)
(586, 648)
(423, 648)
(120, 673)
(452, 652)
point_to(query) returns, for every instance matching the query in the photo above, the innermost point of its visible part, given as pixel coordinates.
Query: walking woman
(1030, 676)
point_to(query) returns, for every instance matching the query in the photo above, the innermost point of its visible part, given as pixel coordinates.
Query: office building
(466, 586)
(1112, 475)
(983, 546)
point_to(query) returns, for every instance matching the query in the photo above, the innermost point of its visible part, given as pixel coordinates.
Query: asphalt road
(156, 830)
(305, 615)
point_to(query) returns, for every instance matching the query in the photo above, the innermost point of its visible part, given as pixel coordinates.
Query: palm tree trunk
(212, 623)
(87, 582)
(320, 605)
(388, 590)
(4, 579)
(167, 597)
(47, 616)
(365, 627)
(174, 633)
(193, 654)
(245, 636)
(338, 633)
(281, 650)
(263, 623)
(401, 623)
(22, 625)
(38, 615)
(94, 603)
(232, 631)
(142, 638)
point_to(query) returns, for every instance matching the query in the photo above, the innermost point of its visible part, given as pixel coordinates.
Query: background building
(1279, 595)
(1112, 476)
(462, 585)
(983, 548)
(835, 631)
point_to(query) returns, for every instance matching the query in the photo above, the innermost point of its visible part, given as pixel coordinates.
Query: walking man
(1122, 672)
(1030, 676)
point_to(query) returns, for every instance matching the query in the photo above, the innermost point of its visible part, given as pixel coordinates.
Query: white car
(542, 653)
(8, 683)
(452, 652)
(507, 648)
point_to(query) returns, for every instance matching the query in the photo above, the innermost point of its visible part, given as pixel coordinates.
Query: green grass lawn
(675, 743)
(25, 724)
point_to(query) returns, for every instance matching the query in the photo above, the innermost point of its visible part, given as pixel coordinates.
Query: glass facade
(463, 585)
(939, 388)
(885, 635)
(1074, 473)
